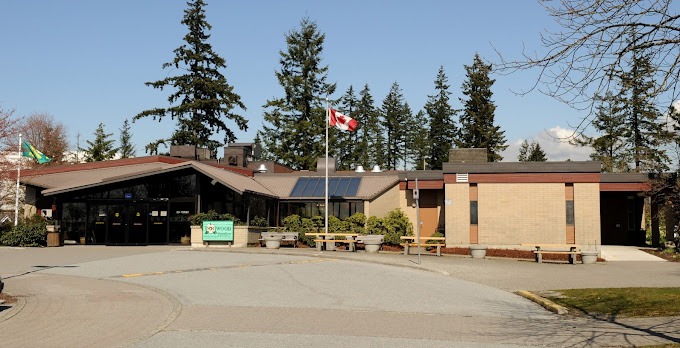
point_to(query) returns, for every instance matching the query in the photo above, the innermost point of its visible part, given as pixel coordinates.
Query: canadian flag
(342, 122)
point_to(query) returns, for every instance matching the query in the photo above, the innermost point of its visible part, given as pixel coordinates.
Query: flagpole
(16, 202)
(326, 187)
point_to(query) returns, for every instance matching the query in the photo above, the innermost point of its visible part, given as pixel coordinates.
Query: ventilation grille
(462, 177)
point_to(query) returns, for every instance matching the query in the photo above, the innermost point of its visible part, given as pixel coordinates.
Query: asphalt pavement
(167, 296)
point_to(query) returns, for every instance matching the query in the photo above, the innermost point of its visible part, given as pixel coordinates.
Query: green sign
(219, 230)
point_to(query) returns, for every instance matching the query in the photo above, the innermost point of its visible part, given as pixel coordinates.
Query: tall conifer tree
(610, 146)
(294, 133)
(346, 142)
(442, 127)
(127, 149)
(206, 100)
(477, 128)
(394, 123)
(101, 148)
(370, 142)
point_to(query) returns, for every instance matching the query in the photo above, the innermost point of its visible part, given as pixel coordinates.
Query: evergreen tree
(370, 141)
(152, 148)
(101, 148)
(345, 148)
(523, 151)
(206, 100)
(477, 129)
(610, 147)
(395, 116)
(442, 126)
(531, 152)
(127, 150)
(418, 143)
(295, 134)
(645, 133)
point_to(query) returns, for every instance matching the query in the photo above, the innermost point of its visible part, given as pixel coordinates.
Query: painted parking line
(135, 275)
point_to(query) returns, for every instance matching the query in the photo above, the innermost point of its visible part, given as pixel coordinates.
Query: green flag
(29, 151)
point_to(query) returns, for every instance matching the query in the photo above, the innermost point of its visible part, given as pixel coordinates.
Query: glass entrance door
(127, 224)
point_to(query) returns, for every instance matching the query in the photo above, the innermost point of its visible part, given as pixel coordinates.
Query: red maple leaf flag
(342, 122)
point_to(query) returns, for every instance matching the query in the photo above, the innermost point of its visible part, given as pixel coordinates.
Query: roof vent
(376, 169)
(262, 168)
(360, 169)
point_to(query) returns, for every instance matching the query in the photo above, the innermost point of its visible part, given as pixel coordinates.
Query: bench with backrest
(410, 242)
(557, 249)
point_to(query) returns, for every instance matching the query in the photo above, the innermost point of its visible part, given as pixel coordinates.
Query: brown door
(429, 212)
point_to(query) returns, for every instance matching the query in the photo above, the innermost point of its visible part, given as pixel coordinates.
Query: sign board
(218, 230)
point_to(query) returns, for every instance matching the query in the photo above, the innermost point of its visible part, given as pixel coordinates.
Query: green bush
(357, 223)
(397, 224)
(259, 222)
(294, 223)
(197, 219)
(29, 233)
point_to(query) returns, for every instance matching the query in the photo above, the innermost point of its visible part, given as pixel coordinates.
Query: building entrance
(127, 224)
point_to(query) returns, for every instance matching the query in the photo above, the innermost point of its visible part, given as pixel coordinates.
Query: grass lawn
(621, 302)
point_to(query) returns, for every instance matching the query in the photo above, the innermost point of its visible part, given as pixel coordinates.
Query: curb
(544, 302)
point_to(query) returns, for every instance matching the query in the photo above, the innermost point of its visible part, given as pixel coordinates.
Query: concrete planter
(272, 241)
(372, 243)
(589, 256)
(478, 251)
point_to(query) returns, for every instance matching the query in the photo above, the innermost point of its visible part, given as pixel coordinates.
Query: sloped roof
(56, 182)
(370, 187)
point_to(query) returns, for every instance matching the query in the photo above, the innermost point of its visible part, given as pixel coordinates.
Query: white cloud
(555, 144)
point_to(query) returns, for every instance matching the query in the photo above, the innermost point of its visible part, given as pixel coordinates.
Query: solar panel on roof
(315, 187)
(310, 190)
(299, 187)
(353, 187)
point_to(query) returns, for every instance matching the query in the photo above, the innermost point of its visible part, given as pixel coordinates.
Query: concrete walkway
(625, 253)
(85, 296)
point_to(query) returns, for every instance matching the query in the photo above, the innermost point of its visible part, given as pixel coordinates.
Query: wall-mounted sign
(218, 230)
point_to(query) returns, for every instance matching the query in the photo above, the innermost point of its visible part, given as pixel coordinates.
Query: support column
(654, 212)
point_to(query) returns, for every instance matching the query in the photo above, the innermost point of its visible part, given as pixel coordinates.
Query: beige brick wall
(406, 202)
(457, 213)
(587, 213)
(522, 213)
(385, 203)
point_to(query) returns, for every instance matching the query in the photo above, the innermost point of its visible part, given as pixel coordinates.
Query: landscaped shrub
(397, 224)
(294, 223)
(336, 225)
(357, 223)
(374, 225)
(28, 233)
(259, 222)
(197, 219)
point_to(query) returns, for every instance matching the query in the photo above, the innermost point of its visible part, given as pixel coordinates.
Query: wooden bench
(350, 242)
(330, 239)
(410, 242)
(559, 249)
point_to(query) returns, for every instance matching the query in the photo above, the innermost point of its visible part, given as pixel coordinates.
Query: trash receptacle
(53, 239)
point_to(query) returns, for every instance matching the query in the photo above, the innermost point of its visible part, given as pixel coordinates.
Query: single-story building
(147, 200)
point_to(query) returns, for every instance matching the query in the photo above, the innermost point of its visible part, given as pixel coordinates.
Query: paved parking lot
(166, 296)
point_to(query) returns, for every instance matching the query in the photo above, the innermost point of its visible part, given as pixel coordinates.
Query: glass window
(570, 212)
(474, 219)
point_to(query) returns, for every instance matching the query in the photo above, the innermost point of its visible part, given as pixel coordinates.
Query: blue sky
(85, 62)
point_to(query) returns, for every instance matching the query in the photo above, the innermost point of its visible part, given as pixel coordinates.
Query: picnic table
(328, 240)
